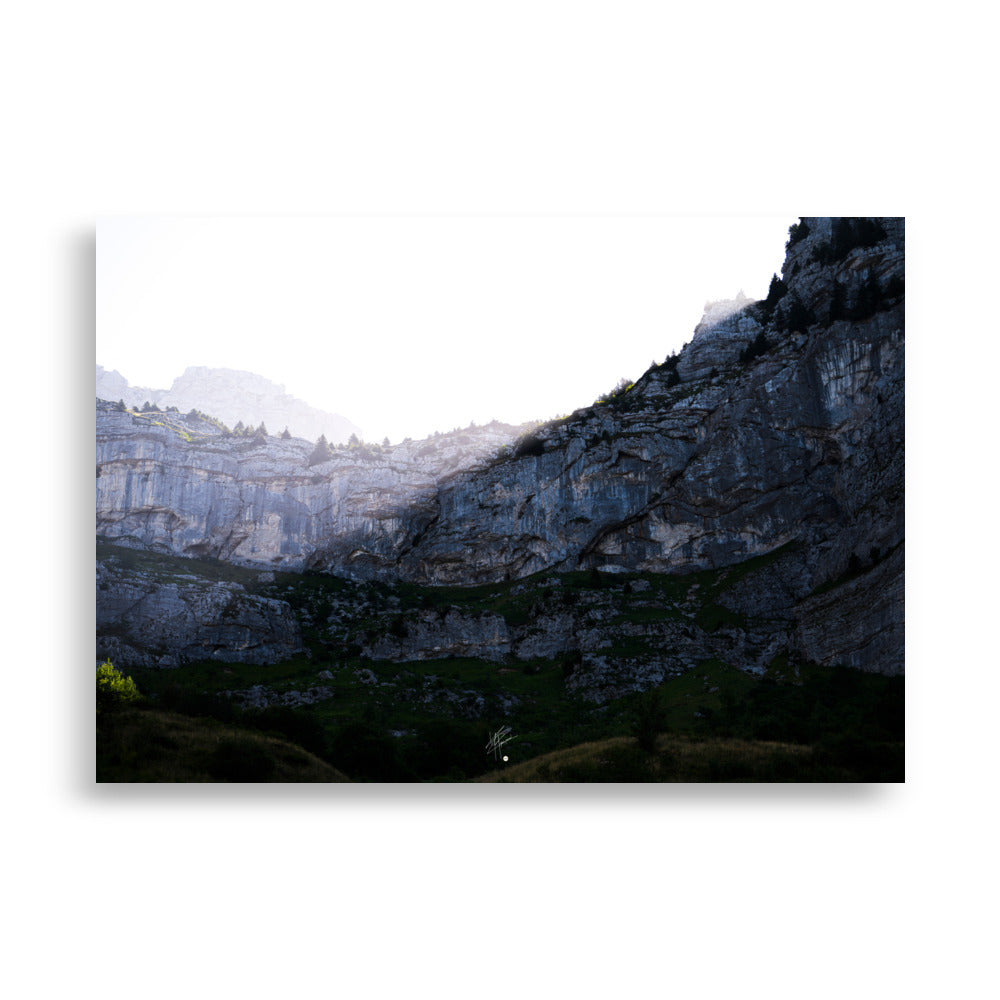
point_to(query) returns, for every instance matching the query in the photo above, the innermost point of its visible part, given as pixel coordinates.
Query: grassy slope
(714, 759)
(148, 745)
(436, 739)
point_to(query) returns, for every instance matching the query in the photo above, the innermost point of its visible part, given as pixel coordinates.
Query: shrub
(529, 446)
(616, 393)
(758, 346)
(797, 232)
(114, 689)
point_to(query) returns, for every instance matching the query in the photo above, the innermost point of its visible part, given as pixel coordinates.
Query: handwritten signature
(497, 740)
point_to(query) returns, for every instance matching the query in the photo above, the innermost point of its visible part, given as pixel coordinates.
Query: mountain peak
(233, 396)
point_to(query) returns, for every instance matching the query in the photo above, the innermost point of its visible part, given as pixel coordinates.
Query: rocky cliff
(233, 397)
(778, 430)
(155, 619)
(179, 483)
(715, 464)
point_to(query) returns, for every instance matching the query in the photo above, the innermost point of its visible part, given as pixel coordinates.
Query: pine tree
(285, 434)
(798, 316)
(775, 292)
(797, 231)
(322, 452)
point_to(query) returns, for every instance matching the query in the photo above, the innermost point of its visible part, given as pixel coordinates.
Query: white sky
(410, 324)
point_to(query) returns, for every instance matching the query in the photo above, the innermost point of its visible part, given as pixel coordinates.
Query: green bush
(797, 231)
(616, 393)
(114, 689)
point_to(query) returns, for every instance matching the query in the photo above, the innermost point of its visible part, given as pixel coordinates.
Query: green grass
(686, 759)
(148, 745)
(166, 567)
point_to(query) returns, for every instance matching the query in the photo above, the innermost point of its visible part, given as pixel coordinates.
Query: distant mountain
(232, 396)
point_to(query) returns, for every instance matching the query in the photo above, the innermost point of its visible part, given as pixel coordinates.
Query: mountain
(234, 397)
(735, 515)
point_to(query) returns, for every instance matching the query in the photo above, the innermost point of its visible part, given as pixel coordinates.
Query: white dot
(505, 757)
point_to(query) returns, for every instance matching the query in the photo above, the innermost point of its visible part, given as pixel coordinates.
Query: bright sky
(410, 324)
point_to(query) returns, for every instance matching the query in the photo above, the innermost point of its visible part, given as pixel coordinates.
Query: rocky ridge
(178, 483)
(233, 397)
(778, 432)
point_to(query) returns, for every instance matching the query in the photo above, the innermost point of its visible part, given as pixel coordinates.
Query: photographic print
(500, 499)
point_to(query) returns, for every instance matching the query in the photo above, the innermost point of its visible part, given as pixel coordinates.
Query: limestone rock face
(799, 449)
(169, 483)
(804, 443)
(859, 624)
(435, 635)
(232, 396)
(724, 331)
(151, 622)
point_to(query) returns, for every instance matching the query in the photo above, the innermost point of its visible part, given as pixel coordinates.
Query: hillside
(147, 745)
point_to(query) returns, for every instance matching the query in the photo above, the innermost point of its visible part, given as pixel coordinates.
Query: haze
(408, 325)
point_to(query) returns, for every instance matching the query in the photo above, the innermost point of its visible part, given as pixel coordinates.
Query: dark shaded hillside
(149, 745)
(394, 682)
